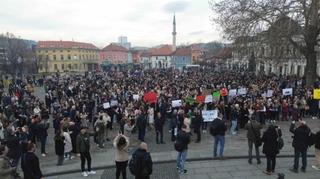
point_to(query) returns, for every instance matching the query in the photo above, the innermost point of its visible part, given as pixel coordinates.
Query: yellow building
(66, 56)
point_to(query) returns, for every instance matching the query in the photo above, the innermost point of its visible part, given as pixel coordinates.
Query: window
(76, 66)
(68, 51)
(61, 51)
(79, 57)
(61, 57)
(69, 66)
(54, 57)
(53, 51)
(62, 66)
(55, 67)
(47, 57)
(69, 57)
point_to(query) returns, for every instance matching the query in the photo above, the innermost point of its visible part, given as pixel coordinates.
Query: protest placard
(242, 91)
(209, 115)
(287, 92)
(316, 94)
(135, 97)
(113, 103)
(208, 99)
(106, 105)
(176, 103)
(269, 93)
(233, 92)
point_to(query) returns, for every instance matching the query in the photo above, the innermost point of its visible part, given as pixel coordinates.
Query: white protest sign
(176, 103)
(233, 92)
(287, 92)
(208, 99)
(209, 115)
(264, 95)
(106, 105)
(269, 93)
(135, 97)
(242, 91)
(113, 103)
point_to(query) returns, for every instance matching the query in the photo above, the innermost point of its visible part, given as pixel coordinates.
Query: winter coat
(30, 166)
(145, 161)
(83, 143)
(184, 138)
(317, 140)
(67, 142)
(270, 144)
(121, 154)
(300, 137)
(5, 169)
(158, 123)
(59, 145)
(253, 128)
(141, 122)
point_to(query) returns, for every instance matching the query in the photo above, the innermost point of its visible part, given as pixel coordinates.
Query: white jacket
(67, 142)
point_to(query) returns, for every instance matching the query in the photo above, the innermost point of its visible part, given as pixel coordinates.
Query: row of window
(75, 57)
(54, 51)
(62, 67)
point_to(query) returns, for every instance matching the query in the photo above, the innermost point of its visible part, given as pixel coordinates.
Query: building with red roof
(114, 54)
(66, 56)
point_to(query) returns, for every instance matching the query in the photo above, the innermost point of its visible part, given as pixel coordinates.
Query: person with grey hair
(140, 164)
(253, 134)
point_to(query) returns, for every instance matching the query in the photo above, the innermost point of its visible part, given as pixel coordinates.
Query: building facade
(67, 56)
(182, 57)
(115, 54)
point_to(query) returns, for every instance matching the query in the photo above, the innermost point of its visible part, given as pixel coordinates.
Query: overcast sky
(144, 22)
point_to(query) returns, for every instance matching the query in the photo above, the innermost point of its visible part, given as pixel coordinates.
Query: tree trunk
(311, 68)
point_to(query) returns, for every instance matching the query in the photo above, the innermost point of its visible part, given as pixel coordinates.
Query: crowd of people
(92, 104)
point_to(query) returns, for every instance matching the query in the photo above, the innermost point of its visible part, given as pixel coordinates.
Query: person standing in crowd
(253, 134)
(235, 113)
(218, 130)
(121, 144)
(42, 131)
(300, 144)
(15, 149)
(197, 122)
(6, 171)
(30, 164)
(183, 139)
(67, 144)
(83, 147)
(159, 122)
(316, 166)
(141, 124)
(100, 126)
(270, 147)
(59, 147)
(140, 164)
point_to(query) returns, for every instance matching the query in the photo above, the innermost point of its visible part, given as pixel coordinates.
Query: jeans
(297, 154)
(141, 134)
(218, 139)
(60, 160)
(181, 158)
(233, 128)
(121, 167)
(250, 144)
(271, 163)
(317, 154)
(85, 156)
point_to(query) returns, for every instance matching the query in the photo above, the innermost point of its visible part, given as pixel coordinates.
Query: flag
(216, 94)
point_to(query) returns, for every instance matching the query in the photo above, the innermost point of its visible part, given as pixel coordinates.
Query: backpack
(178, 146)
(214, 129)
(138, 166)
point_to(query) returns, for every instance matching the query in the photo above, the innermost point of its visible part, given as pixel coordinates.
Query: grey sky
(145, 22)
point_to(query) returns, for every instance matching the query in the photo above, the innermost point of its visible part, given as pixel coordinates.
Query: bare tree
(251, 17)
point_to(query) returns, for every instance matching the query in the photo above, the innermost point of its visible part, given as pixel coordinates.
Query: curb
(103, 167)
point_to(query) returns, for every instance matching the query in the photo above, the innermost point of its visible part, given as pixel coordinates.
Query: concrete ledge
(103, 167)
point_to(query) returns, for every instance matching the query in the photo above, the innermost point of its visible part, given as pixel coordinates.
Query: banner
(242, 91)
(200, 99)
(150, 97)
(233, 92)
(209, 115)
(113, 103)
(216, 94)
(106, 105)
(189, 100)
(316, 94)
(269, 93)
(287, 92)
(208, 99)
(176, 103)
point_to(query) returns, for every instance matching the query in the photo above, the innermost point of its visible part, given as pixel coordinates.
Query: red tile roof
(183, 51)
(65, 45)
(165, 50)
(114, 47)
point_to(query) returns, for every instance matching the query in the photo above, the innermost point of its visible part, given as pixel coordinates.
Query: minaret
(174, 33)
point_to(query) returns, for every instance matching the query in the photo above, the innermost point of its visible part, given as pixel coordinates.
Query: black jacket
(59, 145)
(30, 166)
(183, 138)
(141, 122)
(145, 162)
(269, 139)
(219, 126)
(317, 140)
(300, 137)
